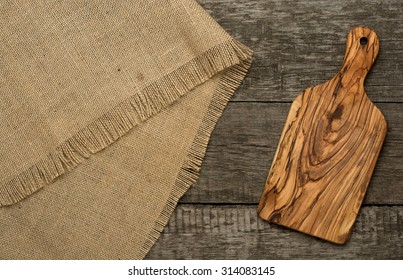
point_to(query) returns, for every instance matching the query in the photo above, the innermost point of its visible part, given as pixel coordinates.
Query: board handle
(362, 48)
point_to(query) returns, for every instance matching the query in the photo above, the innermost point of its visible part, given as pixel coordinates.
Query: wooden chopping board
(328, 150)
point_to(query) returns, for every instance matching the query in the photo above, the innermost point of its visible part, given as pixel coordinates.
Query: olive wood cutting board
(328, 150)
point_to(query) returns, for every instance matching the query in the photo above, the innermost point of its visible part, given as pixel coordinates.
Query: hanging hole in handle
(363, 41)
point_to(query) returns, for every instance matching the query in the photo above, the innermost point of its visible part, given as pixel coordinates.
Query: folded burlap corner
(106, 109)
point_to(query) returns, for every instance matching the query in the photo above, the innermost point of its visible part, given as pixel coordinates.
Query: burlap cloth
(106, 109)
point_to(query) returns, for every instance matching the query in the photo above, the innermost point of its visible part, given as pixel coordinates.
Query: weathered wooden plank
(297, 44)
(236, 232)
(242, 148)
(301, 43)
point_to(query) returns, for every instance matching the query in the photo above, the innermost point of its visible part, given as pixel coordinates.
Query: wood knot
(337, 113)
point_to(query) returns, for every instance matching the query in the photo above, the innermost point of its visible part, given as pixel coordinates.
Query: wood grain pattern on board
(328, 150)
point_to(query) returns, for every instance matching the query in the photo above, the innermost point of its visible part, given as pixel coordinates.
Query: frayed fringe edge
(138, 108)
(230, 80)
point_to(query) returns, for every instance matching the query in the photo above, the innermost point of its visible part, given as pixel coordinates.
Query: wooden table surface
(297, 44)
